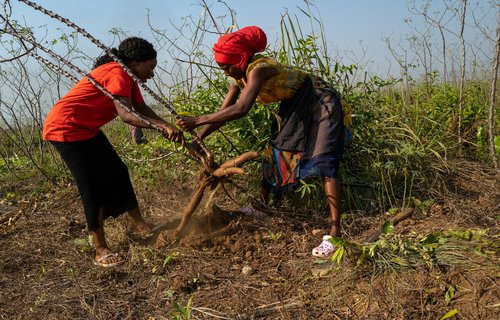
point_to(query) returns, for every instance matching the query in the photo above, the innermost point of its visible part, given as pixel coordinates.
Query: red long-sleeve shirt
(81, 113)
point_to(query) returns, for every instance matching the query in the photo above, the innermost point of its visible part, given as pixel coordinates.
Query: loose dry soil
(232, 266)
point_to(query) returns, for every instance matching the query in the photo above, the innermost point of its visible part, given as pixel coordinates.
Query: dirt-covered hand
(187, 123)
(172, 133)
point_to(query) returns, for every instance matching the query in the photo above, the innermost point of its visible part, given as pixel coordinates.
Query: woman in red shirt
(74, 124)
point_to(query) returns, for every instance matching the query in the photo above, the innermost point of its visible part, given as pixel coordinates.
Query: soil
(235, 266)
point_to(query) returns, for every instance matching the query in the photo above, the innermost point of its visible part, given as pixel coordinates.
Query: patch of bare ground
(234, 266)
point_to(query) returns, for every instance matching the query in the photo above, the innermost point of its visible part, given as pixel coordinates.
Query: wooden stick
(402, 215)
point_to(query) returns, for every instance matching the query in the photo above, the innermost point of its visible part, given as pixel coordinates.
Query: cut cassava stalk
(240, 160)
(204, 181)
(222, 172)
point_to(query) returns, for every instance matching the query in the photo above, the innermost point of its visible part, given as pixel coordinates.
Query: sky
(354, 29)
(347, 24)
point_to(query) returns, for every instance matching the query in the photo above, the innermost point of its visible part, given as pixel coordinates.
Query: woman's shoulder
(261, 61)
(113, 68)
(112, 77)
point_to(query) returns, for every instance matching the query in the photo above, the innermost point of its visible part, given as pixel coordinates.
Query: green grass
(400, 147)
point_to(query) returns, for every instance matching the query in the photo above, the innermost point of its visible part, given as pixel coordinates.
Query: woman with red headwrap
(309, 140)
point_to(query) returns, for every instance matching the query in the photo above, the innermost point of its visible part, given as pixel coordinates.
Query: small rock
(246, 270)
(317, 232)
(320, 271)
(6, 208)
(258, 238)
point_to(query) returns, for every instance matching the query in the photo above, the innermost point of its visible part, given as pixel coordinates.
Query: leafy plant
(183, 312)
(169, 258)
(409, 251)
(341, 245)
(158, 260)
(274, 236)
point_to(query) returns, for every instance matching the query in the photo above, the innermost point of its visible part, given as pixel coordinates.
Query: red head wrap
(238, 47)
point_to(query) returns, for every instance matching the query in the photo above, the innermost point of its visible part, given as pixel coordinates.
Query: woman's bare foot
(143, 229)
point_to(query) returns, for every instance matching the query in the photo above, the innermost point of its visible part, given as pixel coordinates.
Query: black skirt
(101, 177)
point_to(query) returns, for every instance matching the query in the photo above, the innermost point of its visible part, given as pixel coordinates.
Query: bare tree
(405, 64)
(445, 70)
(423, 51)
(462, 71)
(441, 23)
(491, 113)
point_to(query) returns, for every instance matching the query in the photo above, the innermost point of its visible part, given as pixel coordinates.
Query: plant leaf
(388, 227)
(449, 314)
(450, 293)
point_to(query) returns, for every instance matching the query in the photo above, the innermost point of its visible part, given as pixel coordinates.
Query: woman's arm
(247, 98)
(168, 130)
(231, 97)
(145, 110)
(237, 109)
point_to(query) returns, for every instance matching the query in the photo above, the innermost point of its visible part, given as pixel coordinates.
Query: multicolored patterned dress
(307, 137)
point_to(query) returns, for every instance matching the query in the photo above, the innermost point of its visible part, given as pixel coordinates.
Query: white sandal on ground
(325, 249)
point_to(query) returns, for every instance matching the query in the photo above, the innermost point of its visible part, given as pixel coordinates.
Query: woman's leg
(103, 254)
(334, 197)
(141, 226)
(264, 192)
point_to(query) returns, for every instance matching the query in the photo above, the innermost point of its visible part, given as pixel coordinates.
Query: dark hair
(131, 49)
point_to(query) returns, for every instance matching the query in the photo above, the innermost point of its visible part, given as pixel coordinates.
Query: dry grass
(239, 267)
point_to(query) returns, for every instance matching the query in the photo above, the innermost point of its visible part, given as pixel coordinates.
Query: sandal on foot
(325, 249)
(101, 262)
